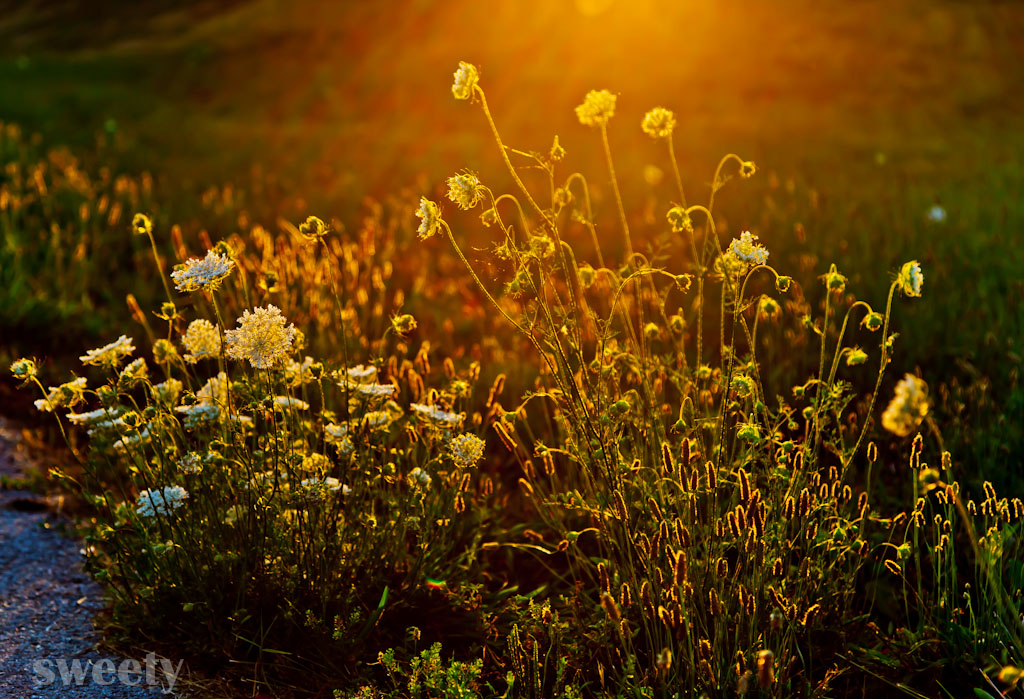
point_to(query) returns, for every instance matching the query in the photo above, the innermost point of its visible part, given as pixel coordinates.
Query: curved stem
(675, 170)
(618, 195)
(590, 214)
(878, 382)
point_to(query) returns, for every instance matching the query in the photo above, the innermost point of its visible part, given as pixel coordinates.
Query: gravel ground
(48, 645)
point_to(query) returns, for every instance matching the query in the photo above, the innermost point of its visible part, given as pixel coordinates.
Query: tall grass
(687, 497)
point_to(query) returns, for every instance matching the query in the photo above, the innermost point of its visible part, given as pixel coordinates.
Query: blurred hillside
(354, 97)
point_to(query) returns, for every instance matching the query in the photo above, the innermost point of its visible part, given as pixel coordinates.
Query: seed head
(313, 229)
(873, 321)
(403, 324)
(658, 123)
(141, 225)
(679, 219)
(856, 356)
(597, 108)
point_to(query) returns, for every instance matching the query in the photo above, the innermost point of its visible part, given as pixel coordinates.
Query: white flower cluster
(161, 501)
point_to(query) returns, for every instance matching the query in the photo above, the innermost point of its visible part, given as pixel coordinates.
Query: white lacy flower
(161, 501)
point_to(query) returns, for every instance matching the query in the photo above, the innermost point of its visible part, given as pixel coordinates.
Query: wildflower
(872, 321)
(557, 152)
(334, 434)
(206, 273)
(768, 308)
(66, 395)
(299, 374)
(376, 419)
(315, 463)
(142, 225)
(161, 501)
(403, 324)
(747, 249)
(856, 356)
(658, 123)
(466, 450)
(282, 402)
(262, 337)
(132, 439)
(313, 229)
(214, 391)
(936, 214)
(430, 215)
(587, 275)
(419, 477)
(164, 351)
(322, 486)
(132, 374)
(743, 385)
(597, 108)
(747, 169)
(362, 373)
(94, 416)
(911, 278)
(908, 407)
(375, 390)
(782, 283)
(190, 463)
(749, 432)
(24, 369)
(835, 281)
(199, 414)
(465, 190)
(109, 355)
(679, 219)
(466, 79)
(435, 414)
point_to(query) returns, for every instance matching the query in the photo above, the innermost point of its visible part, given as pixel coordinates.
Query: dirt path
(48, 646)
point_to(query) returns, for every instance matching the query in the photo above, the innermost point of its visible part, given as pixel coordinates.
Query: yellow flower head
(261, 337)
(465, 190)
(597, 108)
(659, 123)
(202, 341)
(466, 79)
(430, 215)
(466, 449)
